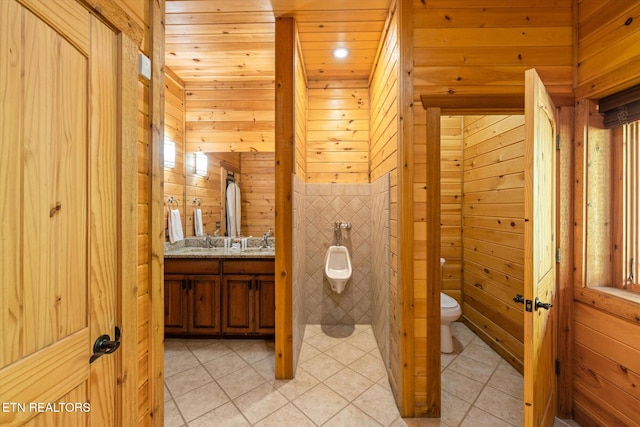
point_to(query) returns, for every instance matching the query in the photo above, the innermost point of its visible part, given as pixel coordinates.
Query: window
(607, 202)
(626, 206)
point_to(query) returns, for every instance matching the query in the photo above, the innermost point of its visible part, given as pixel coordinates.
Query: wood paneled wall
(420, 206)
(607, 368)
(608, 54)
(140, 10)
(144, 241)
(230, 116)
(604, 363)
(605, 329)
(451, 174)
(384, 138)
(480, 48)
(337, 142)
(149, 336)
(383, 117)
(258, 193)
(301, 107)
(493, 231)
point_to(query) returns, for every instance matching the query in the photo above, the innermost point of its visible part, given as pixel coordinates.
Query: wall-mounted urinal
(337, 267)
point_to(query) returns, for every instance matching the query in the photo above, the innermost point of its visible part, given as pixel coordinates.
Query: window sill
(616, 301)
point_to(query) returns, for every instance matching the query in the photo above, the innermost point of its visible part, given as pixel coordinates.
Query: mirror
(252, 172)
(250, 158)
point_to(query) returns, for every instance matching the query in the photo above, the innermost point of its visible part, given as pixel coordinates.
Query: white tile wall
(299, 269)
(324, 205)
(380, 264)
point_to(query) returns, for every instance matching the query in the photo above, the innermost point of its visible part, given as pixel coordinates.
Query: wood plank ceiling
(234, 40)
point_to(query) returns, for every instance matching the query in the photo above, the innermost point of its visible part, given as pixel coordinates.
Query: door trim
(129, 36)
(127, 268)
(435, 108)
(499, 104)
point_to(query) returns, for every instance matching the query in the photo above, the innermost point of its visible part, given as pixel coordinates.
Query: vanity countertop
(195, 252)
(199, 247)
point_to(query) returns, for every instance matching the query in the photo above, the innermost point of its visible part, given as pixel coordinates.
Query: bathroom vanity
(219, 292)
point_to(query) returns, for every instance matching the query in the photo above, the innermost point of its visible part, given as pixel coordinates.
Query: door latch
(104, 345)
(528, 304)
(545, 305)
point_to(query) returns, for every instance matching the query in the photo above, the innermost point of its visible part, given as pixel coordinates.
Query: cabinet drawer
(248, 266)
(191, 266)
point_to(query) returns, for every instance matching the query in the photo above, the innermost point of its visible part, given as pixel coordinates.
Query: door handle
(519, 299)
(104, 345)
(545, 305)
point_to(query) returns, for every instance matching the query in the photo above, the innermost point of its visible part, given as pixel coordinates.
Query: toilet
(449, 312)
(337, 267)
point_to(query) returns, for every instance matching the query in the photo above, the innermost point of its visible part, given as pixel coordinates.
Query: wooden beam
(156, 211)
(488, 103)
(433, 403)
(469, 104)
(284, 152)
(405, 190)
(564, 203)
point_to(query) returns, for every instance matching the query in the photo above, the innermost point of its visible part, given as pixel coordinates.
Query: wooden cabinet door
(204, 301)
(237, 304)
(265, 304)
(59, 226)
(175, 304)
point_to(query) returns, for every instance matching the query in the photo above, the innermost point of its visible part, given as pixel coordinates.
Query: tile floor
(340, 381)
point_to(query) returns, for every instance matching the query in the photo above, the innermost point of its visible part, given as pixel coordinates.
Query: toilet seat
(447, 302)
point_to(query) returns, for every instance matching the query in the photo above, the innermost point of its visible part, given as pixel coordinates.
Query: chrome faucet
(265, 239)
(209, 240)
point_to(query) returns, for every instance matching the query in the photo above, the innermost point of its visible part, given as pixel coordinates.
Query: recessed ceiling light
(341, 52)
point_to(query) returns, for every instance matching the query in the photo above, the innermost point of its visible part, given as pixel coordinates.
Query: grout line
(374, 352)
(171, 394)
(233, 350)
(184, 420)
(484, 385)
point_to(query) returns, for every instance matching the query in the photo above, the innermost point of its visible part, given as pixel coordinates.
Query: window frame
(597, 229)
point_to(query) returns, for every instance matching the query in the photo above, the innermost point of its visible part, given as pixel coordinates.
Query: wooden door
(237, 304)
(58, 227)
(176, 306)
(540, 277)
(265, 303)
(204, 298)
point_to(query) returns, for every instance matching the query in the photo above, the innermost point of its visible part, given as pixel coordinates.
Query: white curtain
(234, 214)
